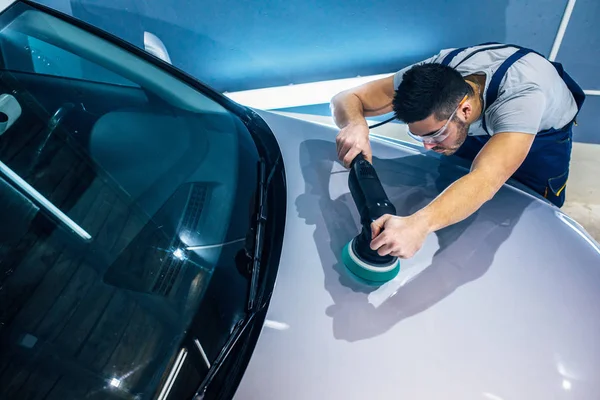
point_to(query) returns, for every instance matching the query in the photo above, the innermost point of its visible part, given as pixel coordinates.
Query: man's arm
(367, 100)
(349, 109)
(372, 98)
(497, 161)
(516, 123)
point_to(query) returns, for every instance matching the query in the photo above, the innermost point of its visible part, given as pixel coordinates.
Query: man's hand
(398, 236)
(349, 109)
(353, 140)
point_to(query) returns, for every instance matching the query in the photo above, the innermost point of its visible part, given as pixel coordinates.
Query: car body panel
(500, 306)
(4, 4)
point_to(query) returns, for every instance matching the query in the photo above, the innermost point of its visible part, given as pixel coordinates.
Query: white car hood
(502, 306)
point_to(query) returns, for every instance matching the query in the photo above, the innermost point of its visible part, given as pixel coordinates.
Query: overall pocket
(555, 192)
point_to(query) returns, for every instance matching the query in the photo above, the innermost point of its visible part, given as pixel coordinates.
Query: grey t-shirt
(532, 96)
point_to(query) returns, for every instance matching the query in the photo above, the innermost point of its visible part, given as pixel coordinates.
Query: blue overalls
(546, 167)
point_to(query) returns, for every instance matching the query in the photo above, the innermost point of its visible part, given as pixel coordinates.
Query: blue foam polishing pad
(364, 271)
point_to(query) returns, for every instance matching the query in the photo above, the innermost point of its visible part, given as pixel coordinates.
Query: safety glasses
(441, 134)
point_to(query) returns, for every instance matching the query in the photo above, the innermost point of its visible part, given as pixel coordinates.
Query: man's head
(437, 104)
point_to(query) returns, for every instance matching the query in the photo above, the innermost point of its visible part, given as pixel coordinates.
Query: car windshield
(126, 197)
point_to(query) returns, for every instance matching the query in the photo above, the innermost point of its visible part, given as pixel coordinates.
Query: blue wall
(580, 49)
(580, 55)
(237, 45)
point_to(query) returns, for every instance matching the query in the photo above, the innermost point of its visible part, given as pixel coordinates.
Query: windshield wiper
(233, 338)
(261, 219)
(241, 326)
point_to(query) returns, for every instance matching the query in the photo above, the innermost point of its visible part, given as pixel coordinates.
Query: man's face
(444, 137)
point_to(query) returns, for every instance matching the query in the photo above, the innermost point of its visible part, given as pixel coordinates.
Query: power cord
(381, 123)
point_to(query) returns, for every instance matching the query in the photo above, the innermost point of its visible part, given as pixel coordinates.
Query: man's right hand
(350, 108)
(352, 140)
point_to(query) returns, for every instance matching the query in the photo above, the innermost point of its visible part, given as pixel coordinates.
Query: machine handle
(371, 202)
(367, 191)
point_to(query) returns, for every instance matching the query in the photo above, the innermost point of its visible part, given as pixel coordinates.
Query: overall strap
(494, 86)
(450, 56)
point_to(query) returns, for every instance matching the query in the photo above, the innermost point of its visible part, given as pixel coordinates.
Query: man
(507, 109)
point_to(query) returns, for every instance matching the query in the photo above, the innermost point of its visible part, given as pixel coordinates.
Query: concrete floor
(583, 191)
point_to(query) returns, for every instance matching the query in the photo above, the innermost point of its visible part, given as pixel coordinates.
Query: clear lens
(436, 137)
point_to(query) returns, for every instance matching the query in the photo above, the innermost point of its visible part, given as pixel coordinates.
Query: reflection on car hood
(503, 305)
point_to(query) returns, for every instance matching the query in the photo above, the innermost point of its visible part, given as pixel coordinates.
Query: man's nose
(429, 146)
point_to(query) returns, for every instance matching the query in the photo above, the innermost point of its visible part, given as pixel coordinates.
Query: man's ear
(467, 109)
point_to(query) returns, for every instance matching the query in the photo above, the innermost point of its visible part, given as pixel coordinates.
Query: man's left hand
(398, 236)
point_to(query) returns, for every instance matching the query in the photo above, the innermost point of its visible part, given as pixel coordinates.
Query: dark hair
(429, 89)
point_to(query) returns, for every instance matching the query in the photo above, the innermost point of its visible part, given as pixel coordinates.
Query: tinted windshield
(125, 201)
